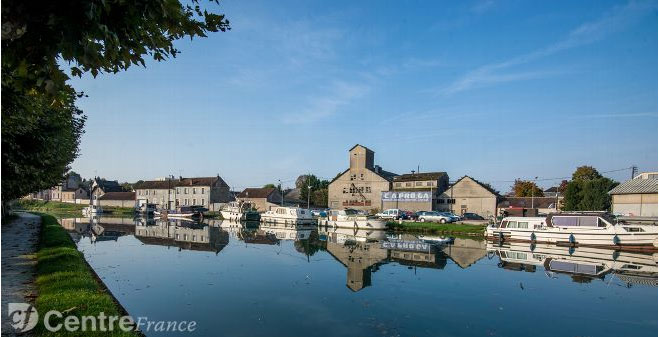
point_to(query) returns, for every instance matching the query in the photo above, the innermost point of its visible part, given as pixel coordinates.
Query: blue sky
(494, 90)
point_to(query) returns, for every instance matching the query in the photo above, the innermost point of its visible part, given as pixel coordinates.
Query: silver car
(432, 216)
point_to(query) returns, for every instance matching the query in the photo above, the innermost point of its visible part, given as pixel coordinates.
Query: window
(522, 224)
(194, 190)
(399, 184)
(440, 201)
(202, 202)
(429, 183)
(185, 190)
(154, 192)
(202, 190)
(368, 189)
(512, 224)
(194, 201)
(194, 237)
(419, 183)
(147, 192)
(186, 201)
(408, 184)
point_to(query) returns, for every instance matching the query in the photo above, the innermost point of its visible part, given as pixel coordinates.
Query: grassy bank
(66, 283)
(437, 228)
(66, 209)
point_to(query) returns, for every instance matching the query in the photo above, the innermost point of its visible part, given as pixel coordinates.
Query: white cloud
(337, 96)
(588, 32)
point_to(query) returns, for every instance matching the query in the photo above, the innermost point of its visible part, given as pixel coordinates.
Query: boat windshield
(577, 221)
(352, 212)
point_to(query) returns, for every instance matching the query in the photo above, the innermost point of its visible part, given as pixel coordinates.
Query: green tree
(572, 196)
(588, 195)
(585, 173)
(39, 140)
(269, 186)
(526, 188)
(319, 197)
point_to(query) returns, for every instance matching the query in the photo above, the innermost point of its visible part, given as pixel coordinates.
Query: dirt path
(19, 242)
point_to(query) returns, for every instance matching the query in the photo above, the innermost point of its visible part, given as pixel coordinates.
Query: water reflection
(582, 264)
(229, 275)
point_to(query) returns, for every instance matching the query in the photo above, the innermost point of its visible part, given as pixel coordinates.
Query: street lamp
(308, 195)
(533, 192)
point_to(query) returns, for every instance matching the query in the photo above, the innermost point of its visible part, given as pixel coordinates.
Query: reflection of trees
(310, 246)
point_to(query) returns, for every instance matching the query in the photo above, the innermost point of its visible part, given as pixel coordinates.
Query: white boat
(145, 209)
(180, 212)
(595, 229)
(283, 232)
(288, 216)
(342, 235)
(350, 218)
(92, 209)
(587, 261)
(239, 211)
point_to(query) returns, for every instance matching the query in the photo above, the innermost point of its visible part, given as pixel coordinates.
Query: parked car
(411, 215)
(472, 216)
(433, 216)
(319, 213)
(393, 213)
(451, 215)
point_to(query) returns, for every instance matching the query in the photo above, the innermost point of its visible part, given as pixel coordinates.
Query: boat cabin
(558, 220)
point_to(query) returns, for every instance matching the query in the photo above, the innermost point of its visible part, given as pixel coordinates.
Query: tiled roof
(256, 192)
(118, 196)
(635, 186)
(181, 182)
(420, 176)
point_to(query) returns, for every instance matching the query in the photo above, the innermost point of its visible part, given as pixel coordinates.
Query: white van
(391, 214)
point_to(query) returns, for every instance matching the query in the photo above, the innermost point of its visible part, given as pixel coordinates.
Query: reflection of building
(465, 252)
(416, 192)
(636, 197)
(170, 192)
(362, 184)
(468, 195)
(430, 259)
(192, 236)
(361, 259)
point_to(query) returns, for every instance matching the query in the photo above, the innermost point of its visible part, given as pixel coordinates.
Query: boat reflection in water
(583, 264)
(98, 228)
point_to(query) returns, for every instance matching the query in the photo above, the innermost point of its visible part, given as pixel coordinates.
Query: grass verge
(67, 209)
(437, 228)
(66, 283)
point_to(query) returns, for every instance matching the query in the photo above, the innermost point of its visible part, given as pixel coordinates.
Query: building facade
(362, 184)
(170, 192)
(528, 206)
(263, 199)
(636, 197)
(416, 192)
(468, 195)
(117, 199)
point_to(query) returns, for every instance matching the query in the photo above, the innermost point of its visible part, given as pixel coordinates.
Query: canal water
(238, 280)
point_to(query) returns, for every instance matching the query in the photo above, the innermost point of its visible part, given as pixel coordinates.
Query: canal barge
(240, 211)
(288, 216)
(182, 212)
(594, 229)
(351, 218)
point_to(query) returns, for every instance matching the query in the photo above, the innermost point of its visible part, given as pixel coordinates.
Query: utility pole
(634, 171)
(281, 192)
(533, 192)
(308, 195)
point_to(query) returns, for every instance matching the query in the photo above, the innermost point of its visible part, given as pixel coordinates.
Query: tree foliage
(310, 183)
(588, 191)
(585, 173)
(269, 186)
(39, 140)
(526, 188)
(93, 36)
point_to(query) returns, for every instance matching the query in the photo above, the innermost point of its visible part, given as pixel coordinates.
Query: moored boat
(288, 216)
(351, 218)
(595, 229)
(93, 209)
(182, 212)
(240, 211)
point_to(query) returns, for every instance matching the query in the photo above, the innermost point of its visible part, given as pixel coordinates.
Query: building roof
(367, 149)
(525, 202)
(180, 182)
(552, 189)
(636, 186)
(118, 196)
(420, 176)
(108, 185)
(487, 187)
(256, 192)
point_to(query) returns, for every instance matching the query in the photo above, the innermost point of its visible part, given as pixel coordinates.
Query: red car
(411, 215)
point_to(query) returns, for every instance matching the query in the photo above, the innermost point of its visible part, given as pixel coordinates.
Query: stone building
(170, 192)
(468, 195)
(362, 184)
(636, 197)
(416, 192)
(262, 198)
(101, 186)
(361, 260)
(117, 199)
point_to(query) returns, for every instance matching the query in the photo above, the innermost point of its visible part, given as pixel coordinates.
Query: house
(636, 197)
(552, 192)
(170, 192)
(361, 185)
(468, 195)
(416, 191)
(117, 199)
(101, 186)
(528, 206)
(262, 198)
(70, 190)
